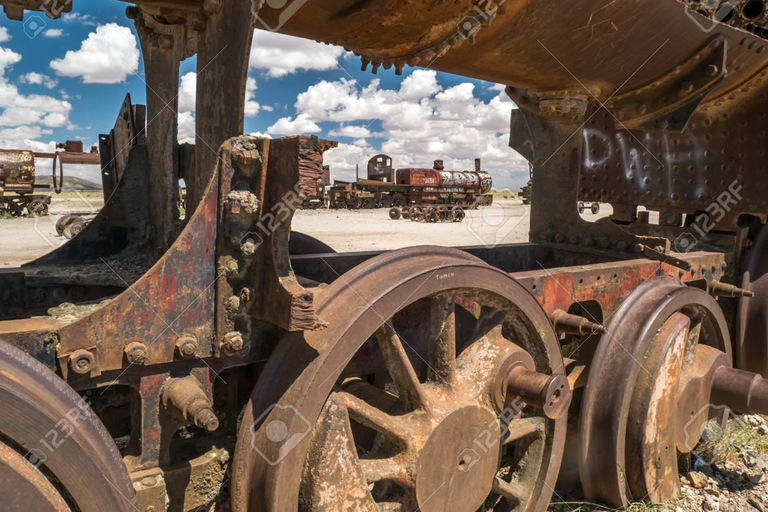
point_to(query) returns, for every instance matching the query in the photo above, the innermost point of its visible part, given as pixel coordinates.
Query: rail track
(221, 362)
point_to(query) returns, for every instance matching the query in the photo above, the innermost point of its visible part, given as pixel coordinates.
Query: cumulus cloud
(421, 122)
(350, 131)
(4, 35)
(53, 32)
(188, 100)
(107, 56)
(76, 17)
(38, 79)
(281, 55)
(24, 111)
(302, 124)
(7, 59)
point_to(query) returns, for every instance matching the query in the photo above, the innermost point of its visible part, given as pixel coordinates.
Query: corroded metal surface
(303, 370)
(52, 427)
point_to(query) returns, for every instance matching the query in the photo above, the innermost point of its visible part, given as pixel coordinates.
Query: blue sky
(65, 79)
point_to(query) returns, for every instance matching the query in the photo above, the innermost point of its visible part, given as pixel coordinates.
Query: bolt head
(233, 342)
(82, 361)
(187, 346)
(136, 353)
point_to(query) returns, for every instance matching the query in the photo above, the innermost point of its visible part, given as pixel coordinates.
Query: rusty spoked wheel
(55, 455)
(431, 388)
(649, 392)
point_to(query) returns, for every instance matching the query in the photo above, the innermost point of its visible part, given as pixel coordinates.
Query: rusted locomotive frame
(386, 187)
(18, 176)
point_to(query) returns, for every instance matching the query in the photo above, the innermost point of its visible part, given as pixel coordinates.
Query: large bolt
(187, 346)
(720, 289)
(186, 399)
(567, 323)
(136, 353)
(232, 342)
(549, 393)
(81, 361)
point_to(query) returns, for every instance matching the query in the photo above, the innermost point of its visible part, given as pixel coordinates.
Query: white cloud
(186, 128)
(107, 56)
(7, 59)
(420, 84)
(303, 124)
(421, 122)
(352, 131)
(188, 92)
(24, 112)
(76, 17)
(53, 32)
(268, 108)
(251, 105)
(38, 79)
(282, 55)
(4, 35)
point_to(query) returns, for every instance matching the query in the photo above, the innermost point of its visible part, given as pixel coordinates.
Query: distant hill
(70, 183)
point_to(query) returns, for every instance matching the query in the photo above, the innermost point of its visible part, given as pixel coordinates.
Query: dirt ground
(507, 221)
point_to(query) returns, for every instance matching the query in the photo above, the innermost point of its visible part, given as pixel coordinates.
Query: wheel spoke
(442, 353)
(508, 490)
(371, 417)
(400, 368)
(376, 470)
(520, 429)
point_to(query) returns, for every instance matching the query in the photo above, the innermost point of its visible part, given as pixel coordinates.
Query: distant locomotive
(17, 177)
(390, 188)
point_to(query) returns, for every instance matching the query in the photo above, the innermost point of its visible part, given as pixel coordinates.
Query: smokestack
(357, 173)
(438, 166)
(477, 165)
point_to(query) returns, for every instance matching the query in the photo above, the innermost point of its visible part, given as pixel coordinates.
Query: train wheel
(595, 208)
(398, 404)
(582, 207)
(341, 204)
(648, 393)
(417, 214)
(398, 200)
(55, 455)
(15, 209)
(406, 212)
(37, 208)
(394, 213)
(458, 214)
(432, 215)
(62, 223)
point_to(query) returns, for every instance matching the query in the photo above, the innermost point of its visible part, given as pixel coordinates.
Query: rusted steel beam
(163, 46)
(222, 67)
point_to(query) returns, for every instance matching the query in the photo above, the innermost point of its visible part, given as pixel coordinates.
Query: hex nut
(186, 345)
(136, 353)
(232, 342)
(82, 361)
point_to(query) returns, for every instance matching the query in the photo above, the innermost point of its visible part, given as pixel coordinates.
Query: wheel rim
(636, 400)
(434, 433)
(53, 445)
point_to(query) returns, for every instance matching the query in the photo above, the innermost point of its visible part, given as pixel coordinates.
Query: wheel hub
(455, 467)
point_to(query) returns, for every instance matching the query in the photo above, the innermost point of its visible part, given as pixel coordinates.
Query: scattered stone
(697, 480)
(756, 504)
